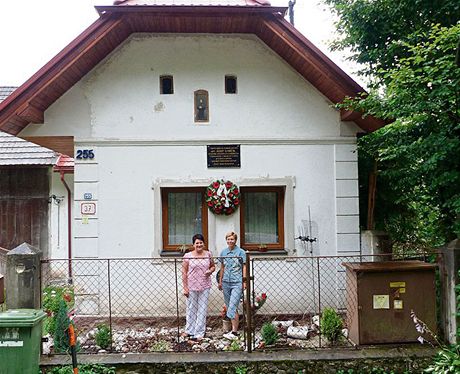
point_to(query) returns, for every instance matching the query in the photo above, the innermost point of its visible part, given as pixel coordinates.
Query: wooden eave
(28, 103)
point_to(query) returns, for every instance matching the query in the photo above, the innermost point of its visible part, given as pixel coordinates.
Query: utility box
(20, 341)
(381, 295)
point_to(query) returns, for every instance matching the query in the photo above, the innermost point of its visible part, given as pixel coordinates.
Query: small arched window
(201, 102)
(166, 85)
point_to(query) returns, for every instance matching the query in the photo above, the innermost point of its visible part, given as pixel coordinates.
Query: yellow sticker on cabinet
(397, 304)
(397, 284)
(381, 301)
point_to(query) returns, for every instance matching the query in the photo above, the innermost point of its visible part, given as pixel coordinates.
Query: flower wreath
(222, 197)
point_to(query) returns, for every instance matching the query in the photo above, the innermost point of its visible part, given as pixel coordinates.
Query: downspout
(69, 224)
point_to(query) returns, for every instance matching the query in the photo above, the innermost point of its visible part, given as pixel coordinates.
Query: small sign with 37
(88, 208)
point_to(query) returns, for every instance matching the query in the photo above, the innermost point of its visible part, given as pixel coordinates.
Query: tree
(373, 29)
(415, 86)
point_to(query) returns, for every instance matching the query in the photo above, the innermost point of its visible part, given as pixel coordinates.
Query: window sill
(270, 252)
(171, 254)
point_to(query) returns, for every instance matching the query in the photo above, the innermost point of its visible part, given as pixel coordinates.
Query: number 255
(85, 154)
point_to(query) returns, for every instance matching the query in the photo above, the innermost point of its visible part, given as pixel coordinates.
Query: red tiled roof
(28, 103)
(64, 164)
(192, 2)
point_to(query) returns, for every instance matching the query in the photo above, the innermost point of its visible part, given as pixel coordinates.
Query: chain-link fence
(138, 305)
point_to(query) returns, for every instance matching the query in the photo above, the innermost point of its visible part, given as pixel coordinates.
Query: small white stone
(345, 333)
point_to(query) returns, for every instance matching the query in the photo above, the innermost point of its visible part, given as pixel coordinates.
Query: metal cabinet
(381, 295)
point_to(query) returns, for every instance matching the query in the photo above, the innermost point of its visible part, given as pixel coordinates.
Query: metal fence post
(177, 300)
(247, 280)
(319, 299)
(110, 304)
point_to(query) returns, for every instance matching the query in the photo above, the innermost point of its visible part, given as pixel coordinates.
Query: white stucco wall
(142, 141)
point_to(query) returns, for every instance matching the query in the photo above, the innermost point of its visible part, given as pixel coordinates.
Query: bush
(61, 335)
(52, 296)
(269, 334)
(331, 325)
(103, 336)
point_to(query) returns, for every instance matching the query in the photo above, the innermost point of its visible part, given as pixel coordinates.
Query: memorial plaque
(224, 156)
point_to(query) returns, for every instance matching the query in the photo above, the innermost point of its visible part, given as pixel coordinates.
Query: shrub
(269, 334)
(331, 325)
(61, 336)
(52, 296)
(103, 336)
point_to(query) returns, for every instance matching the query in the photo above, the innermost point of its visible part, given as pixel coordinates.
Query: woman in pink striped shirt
(197, 268)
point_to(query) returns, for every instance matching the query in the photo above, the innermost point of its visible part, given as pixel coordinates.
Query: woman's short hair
(197, 236)
(231, 233)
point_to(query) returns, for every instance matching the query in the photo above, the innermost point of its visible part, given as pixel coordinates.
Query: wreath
(222, 197)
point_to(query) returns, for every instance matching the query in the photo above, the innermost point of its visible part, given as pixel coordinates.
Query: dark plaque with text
(224, 156)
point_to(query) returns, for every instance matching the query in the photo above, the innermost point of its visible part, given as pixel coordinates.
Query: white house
(154, 93)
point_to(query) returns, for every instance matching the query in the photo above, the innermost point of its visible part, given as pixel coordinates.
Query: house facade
(164, 100)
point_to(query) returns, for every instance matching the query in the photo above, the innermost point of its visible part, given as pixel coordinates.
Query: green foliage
(103, 336)
(52, 295)
(83, 369)
(269, 333)
(375, 31)
(447, 359)
(419, 153)
(408, 50)
(241, 369)
(235, 345)
(61, 336)
(161, 346)
(331, 325)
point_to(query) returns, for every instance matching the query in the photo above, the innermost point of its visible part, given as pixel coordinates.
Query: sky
(34, 31)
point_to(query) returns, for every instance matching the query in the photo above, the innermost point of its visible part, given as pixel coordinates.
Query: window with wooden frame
(262, 218)
(184, 214)
(166, 85)
(201, 103)
(230, 84)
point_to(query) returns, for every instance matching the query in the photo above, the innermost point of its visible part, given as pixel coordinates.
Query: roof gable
(28, 103)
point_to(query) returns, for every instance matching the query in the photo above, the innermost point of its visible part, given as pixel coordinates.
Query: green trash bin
(20, 340)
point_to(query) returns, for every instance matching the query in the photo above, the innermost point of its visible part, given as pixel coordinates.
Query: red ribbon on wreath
(222, 197)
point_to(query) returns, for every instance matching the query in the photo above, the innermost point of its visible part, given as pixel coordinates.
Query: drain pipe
(69, 224)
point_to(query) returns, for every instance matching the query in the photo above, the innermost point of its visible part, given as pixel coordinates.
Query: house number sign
(84, 154)
(88, 208)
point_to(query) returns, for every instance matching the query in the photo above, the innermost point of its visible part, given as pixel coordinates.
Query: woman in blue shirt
(232, 267)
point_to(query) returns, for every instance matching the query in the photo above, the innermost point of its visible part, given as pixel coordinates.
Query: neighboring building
(33, 202)
(147, 88)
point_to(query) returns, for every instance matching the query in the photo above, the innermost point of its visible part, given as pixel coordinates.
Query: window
(262, 218)
(184, 214)
(166, 85)
(230, 84)
(201, 106)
